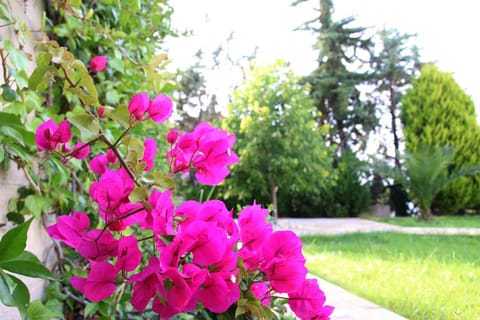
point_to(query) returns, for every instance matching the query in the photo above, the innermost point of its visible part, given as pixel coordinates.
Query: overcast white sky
(447, 31)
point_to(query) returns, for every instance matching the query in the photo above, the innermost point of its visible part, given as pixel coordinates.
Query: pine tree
(395, 65)
(436, 112)
(334, 86)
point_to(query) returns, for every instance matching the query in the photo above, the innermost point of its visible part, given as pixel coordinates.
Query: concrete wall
(30, 12)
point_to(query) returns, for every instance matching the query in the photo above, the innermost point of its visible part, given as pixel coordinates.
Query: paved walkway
(349, 306)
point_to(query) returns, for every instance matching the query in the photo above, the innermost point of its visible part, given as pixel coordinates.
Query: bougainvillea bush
(187, 258)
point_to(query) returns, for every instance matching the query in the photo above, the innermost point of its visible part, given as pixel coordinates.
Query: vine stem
(30, 179)
(120, 158)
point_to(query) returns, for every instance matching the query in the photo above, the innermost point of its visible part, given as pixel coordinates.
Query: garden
(160, 203)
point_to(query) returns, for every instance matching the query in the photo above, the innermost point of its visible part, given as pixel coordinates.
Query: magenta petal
(138, 105)
(160, 108)
(78, 283)
(100, 282)
(81, 151)
(98, 164)
(98, 63)
(63, 134)
(44, 134)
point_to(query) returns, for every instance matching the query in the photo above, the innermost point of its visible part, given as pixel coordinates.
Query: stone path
(349, 306)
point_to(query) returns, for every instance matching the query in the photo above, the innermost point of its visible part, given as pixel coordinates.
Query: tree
(280, 144)
(334, 86)
(194, 103)
(395, 63)
(424, 174)
(436, 112)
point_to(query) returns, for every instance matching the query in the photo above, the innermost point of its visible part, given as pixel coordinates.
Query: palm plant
(424, 174)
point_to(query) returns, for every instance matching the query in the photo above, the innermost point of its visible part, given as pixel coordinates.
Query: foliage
(15, 259)
(436, 112)
(333, 84)
(395, 63)
(408, 274)
(136, 249)
(424, 174)
(281, 147)
(348, 196)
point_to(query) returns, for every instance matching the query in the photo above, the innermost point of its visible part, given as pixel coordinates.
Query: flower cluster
(202, 256)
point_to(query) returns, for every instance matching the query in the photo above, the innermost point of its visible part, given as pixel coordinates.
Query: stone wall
(30, 12)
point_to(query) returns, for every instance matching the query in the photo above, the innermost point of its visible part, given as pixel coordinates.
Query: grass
(472, 221)
(423, 277)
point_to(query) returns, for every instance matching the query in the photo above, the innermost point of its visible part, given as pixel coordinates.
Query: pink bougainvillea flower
(98, 245)
(145, 285)
(284, 263)
(149, 153)
(175, 293)
(308, 301)
(160, 217)
(81, 151)
(110, 199)
(100, 283)
(254, 229)
(98, 164)
(98, 63)
(172, 136)
(283, 244)
(70, 229)
(160, 108)
(138, 105)
(208, 150)
(129, 256)
(218, 292)
(285, 275)
(210, 211)
(261, 291)
(111, 157)
(49, 136)
(101, 112)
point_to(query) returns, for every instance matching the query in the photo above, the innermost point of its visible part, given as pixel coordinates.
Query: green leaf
(8, 94)
(87, 124)
(18, 58)
(13, 292)
(27, 264)
(90, 309)
(121, 116)
(2, 153)
(159, 180)
(6, 289)
(9, 119)
(157, 59)
(12, 133)
(56, 306)
(37, 205)
(14, 241)
(15, 217)
(37, 311)
(38, 75)
(138, 194)
(53, 292)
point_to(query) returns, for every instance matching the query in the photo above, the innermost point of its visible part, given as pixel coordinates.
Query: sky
(447, 32)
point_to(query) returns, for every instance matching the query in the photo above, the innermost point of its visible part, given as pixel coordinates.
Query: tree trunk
(396, 143)
(426, 214)
(273, 193)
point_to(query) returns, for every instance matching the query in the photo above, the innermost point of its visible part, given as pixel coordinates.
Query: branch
(120, 158)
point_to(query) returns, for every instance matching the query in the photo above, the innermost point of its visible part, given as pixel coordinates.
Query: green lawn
(472, 221)
(421, 277)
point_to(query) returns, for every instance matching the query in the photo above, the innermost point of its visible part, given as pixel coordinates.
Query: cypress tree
(436, 112)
